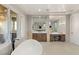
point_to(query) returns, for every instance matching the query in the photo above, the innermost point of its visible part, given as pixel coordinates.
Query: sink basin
(55, 33)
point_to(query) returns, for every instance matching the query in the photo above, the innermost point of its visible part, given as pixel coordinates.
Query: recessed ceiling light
(39, 10)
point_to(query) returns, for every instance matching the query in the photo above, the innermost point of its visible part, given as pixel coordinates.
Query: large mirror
(58, 24)
(54, 25)
(3, 24)
(39, 23)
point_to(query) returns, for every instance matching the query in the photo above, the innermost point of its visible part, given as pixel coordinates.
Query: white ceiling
(45, 9)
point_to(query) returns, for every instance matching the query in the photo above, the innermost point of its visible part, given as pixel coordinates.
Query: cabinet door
(34, 36)
(40, 37)
(44, 37)
(63, 38)
(51, 37)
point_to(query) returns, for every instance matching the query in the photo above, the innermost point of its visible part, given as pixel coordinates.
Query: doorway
(13, 16)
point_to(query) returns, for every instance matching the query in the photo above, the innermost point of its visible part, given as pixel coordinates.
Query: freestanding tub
(28, 47)
(5, 48)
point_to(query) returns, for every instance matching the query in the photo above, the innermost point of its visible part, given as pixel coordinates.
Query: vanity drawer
(57, 37)
(41, 37)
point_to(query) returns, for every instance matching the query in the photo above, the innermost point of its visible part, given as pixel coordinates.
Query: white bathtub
(5, 48)
(28, 47)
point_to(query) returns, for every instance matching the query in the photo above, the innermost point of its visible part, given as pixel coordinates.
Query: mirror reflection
(3, 23)
(53, 25)
(13, 21)
(13, 28)
(56, 23)
(39, 23)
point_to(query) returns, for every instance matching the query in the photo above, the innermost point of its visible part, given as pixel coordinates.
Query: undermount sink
(56, 33)
(39, 32)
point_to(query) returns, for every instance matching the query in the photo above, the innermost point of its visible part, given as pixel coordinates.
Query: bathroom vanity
(41, 37)
(46, 29)
(57, 37)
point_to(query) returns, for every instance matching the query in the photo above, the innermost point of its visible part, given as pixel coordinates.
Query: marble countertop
(39, 32)
(56, 33)
(46, 32)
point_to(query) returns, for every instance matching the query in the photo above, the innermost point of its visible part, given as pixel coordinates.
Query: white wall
(62, 25)
(74, 29)
(29, 26)
(23, 26)
(68, 28)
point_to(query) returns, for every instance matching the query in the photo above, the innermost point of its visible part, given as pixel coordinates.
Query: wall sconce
(50, 26)
(49, 23)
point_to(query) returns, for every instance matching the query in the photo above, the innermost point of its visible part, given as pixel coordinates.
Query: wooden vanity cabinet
(41, 37)
(57, 37)
(62, 37)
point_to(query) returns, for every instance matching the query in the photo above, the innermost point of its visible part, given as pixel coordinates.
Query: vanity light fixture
(49, 23)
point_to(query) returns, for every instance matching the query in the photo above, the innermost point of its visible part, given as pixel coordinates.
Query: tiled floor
(59, 48)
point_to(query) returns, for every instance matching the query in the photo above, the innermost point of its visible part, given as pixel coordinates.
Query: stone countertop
(56, 33)
(39, 32)
(46, 32)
